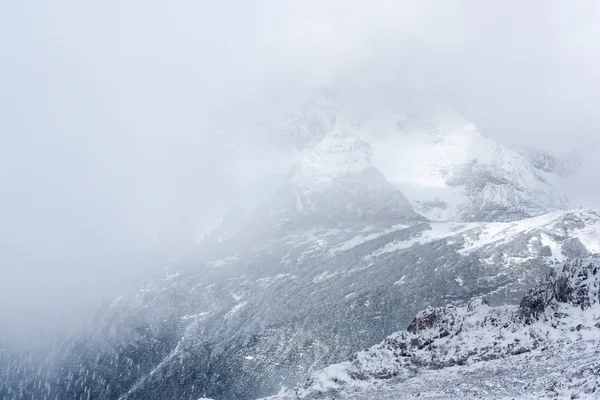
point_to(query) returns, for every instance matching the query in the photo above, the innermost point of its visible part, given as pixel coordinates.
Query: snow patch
(324, 275)
(401, 280)
(235, 309)
(222, 261)
(360, 239)
(439, 230)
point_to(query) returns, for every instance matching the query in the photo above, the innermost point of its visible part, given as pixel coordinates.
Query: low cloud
(120, 118)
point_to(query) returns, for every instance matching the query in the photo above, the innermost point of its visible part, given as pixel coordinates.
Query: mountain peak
(450, 171)
(340, 152)
(334, 182)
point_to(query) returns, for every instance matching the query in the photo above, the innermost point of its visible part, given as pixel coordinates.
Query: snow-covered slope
(438, 159)
(452, 172)
(546, 347)
(291, 304)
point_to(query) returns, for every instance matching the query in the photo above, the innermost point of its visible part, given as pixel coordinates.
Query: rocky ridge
(564, 312)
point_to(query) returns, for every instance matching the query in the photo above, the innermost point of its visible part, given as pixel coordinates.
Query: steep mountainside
(249, 316)
(547, 347)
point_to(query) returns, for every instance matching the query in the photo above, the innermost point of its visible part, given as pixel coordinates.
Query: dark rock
(423, 320)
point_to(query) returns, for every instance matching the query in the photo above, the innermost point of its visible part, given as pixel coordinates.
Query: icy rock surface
(547, 347)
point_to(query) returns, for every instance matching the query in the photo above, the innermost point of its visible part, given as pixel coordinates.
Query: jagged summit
(438, 159)
(394, 165)
(334, 182)
(339, 153)
(452, 172)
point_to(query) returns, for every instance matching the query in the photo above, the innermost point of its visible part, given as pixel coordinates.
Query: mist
(122, 122)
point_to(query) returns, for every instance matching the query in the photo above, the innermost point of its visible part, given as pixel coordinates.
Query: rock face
(552, 324)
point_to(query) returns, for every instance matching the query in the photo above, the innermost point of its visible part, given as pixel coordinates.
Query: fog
(118, 118)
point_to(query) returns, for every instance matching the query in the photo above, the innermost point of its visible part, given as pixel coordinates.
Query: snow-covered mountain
(441, 164)
(438, 159)
(333, 183)
(546, 347)
(249, 315)
(381, 215)
(452, 172)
